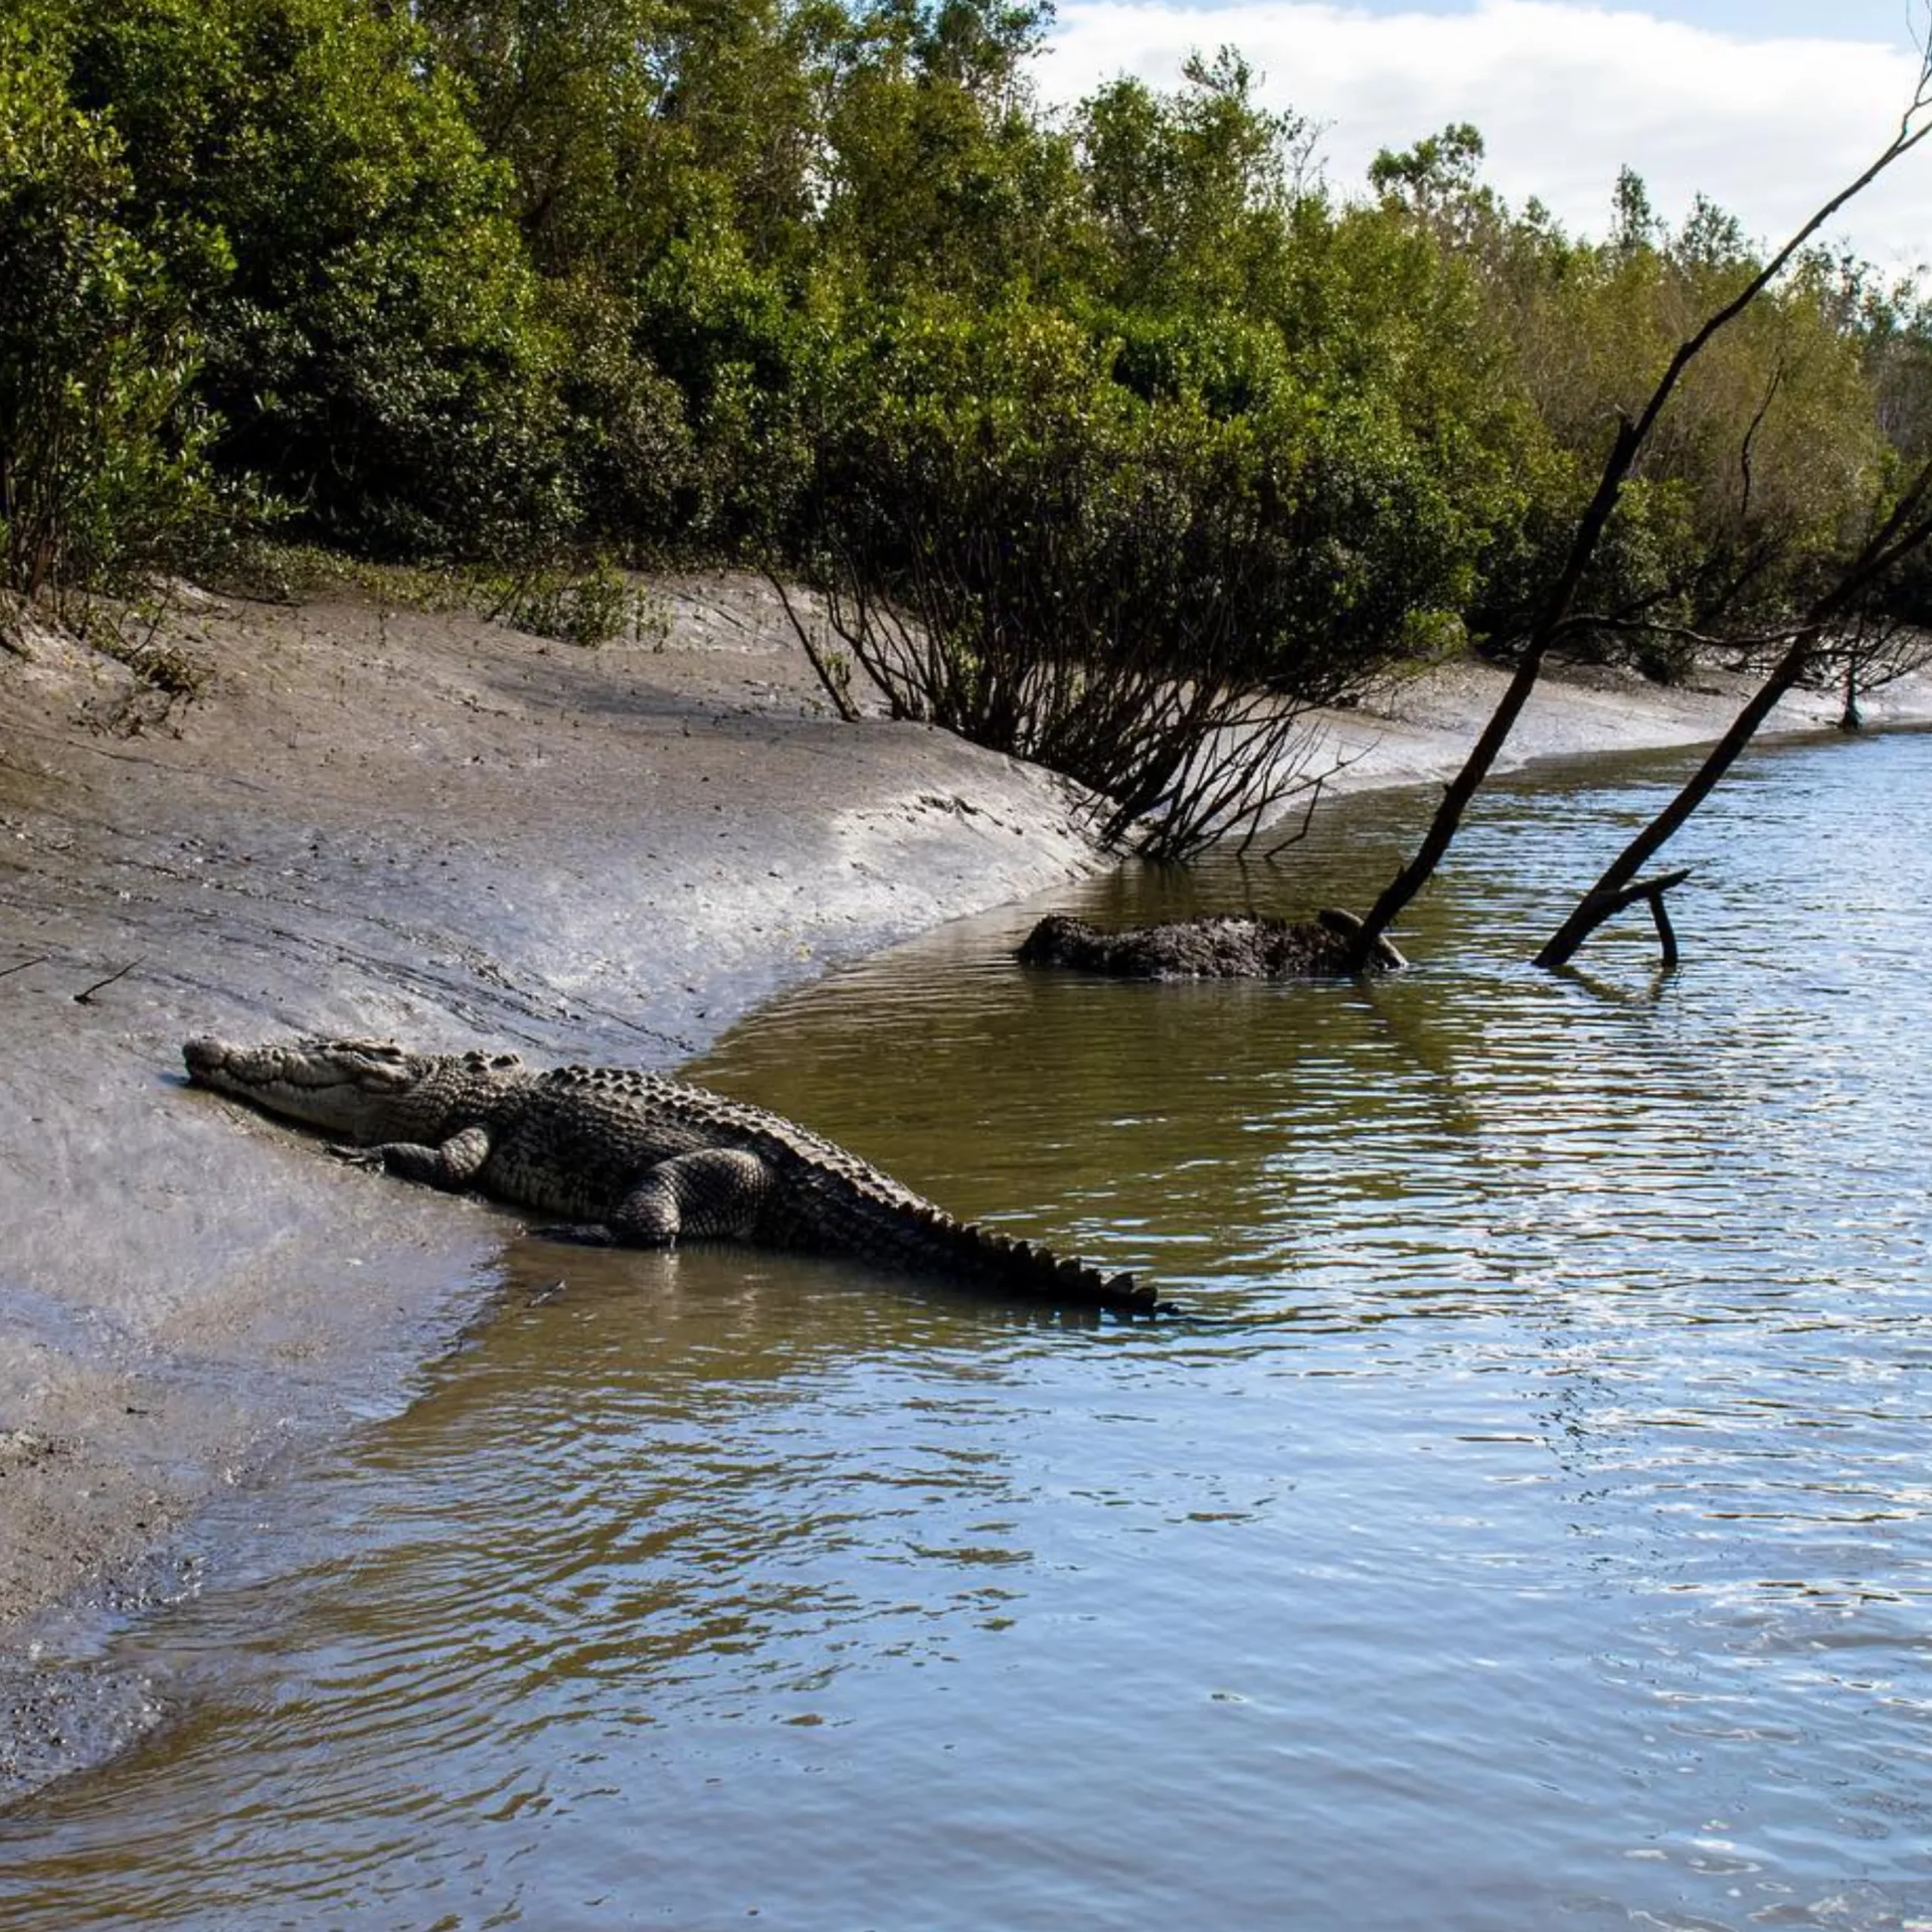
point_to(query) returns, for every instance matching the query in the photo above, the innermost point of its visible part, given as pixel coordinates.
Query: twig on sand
(85, 996)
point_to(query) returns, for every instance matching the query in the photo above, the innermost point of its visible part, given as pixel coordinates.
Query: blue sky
(1766, 105)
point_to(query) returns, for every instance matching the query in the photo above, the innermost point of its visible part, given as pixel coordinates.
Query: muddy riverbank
(374, 820)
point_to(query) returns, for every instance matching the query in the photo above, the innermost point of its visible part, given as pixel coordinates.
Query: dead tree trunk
(1556, 610)
(1483, 754)
(1907, 527)
(1602, 899)
(1606, 901)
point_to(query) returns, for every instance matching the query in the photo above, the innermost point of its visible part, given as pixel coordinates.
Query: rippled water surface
(1536, 1534)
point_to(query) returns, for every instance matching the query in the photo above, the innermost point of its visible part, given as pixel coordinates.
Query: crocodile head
(345, 1087)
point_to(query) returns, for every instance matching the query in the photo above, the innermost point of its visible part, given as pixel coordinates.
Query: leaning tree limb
(1907, 528)
(1554, 614)
(1606, 902)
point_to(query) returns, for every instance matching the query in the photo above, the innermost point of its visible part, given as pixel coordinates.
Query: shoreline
(375, 820)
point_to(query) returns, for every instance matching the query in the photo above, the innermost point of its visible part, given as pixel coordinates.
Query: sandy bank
(1419, 731)
(376, 820)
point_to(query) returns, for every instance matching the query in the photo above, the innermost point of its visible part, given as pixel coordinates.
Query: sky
(1767, 106)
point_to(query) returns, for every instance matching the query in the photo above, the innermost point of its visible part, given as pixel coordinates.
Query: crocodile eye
(386, 1050)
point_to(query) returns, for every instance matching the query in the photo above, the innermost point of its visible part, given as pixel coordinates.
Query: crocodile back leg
(712, 1194)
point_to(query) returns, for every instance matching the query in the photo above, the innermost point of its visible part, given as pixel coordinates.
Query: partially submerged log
(1217, 946)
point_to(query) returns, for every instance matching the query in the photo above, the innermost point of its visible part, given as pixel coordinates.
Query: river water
(1534, 1528)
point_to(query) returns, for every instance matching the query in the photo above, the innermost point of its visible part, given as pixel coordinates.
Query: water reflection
(1536, 1532)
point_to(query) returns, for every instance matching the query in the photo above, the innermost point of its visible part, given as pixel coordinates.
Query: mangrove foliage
(1046, 400)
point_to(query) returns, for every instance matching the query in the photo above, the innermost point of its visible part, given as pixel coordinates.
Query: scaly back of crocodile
(829, 1198)
(582, 1142)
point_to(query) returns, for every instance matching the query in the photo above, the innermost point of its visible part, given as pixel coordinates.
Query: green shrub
(103, 468)
(1017, 547)
(589, 606)
(1306, 533)
(375, 344)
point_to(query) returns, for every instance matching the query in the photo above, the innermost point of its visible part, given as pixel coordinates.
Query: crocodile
(639, 1159)
(1218, 946)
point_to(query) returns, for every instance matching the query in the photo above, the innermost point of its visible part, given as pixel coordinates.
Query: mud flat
(374, 821)
(1418, 731)
(379, 820)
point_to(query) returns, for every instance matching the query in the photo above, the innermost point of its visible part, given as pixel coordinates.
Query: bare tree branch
(1631, 436)
(1114, 616)
(1909, 526)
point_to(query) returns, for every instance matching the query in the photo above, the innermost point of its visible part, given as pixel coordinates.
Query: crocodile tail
(1023, 1267)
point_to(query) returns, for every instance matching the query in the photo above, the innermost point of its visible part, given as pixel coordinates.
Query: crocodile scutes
(644, 1158)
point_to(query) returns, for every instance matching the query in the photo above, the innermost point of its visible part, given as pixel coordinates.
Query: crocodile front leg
(713, 1194)
(454, 1165)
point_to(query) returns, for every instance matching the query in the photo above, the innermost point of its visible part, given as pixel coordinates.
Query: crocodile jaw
(346, 1087)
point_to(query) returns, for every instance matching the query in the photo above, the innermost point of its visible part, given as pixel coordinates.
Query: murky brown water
(1540, 1534)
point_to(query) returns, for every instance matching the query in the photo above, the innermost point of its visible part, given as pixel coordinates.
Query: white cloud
(1565, 95)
